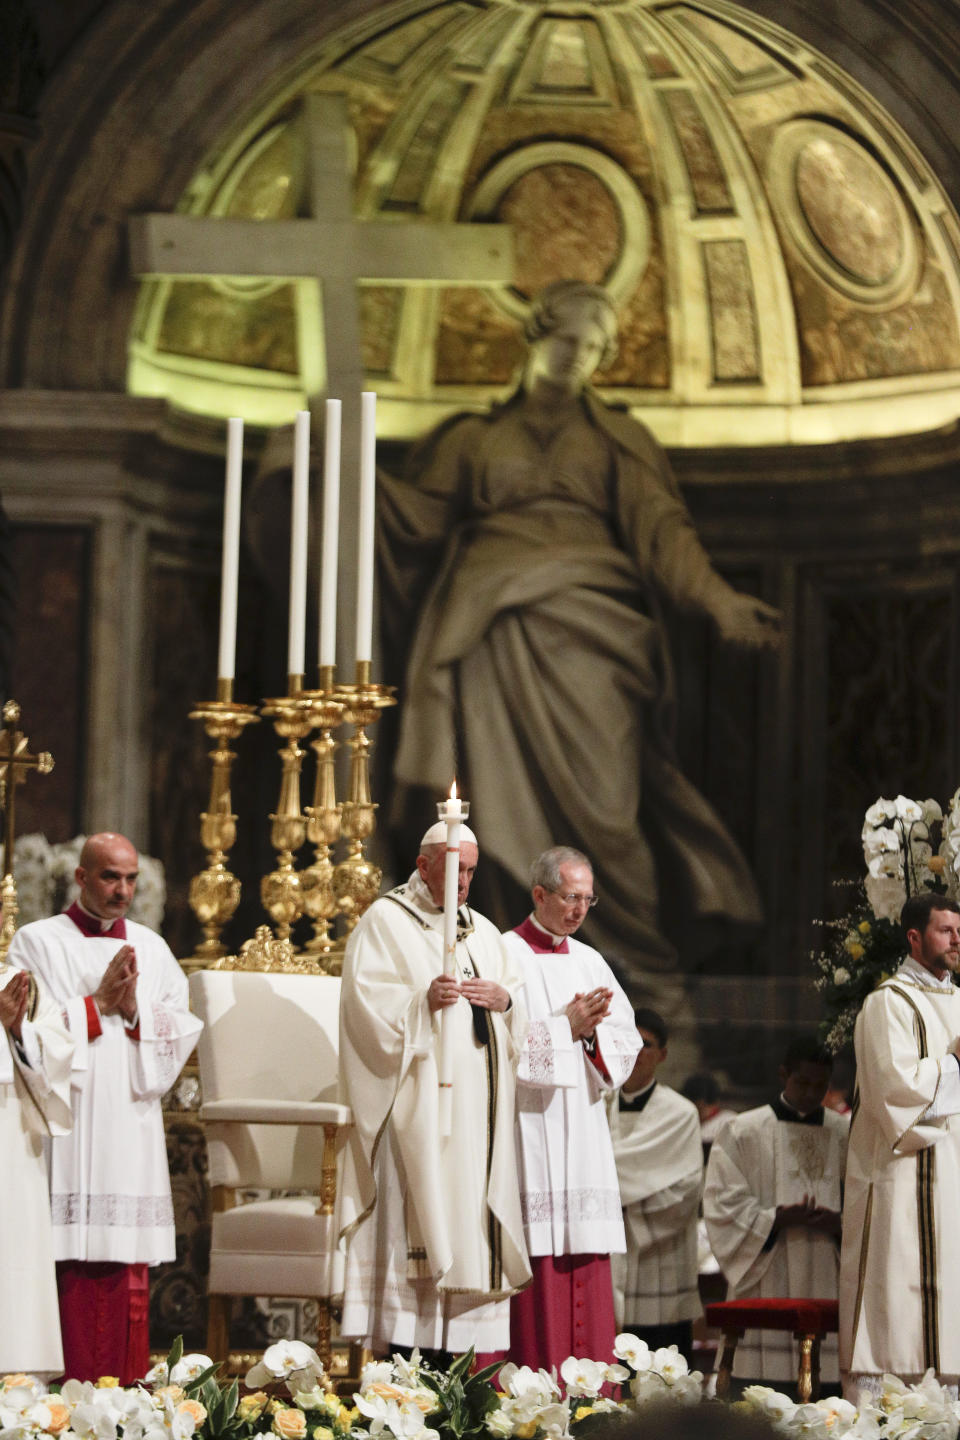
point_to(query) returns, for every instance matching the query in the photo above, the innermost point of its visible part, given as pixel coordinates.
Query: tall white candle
(331, 535)
(230, 555)
(452, 815)
(368, 448)
(452, 812)
(299, 523)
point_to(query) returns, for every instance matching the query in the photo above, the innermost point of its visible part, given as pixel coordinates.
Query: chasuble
(431, 1225)
(34, 1104)
(765, 1158)
(901, 1242)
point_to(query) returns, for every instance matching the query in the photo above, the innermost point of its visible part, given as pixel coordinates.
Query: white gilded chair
(268, 1071)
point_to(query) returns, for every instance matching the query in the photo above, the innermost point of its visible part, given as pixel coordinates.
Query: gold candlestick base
(266, 953)
(215, 892)
(356, 881)
(280, 891)
(323, 831)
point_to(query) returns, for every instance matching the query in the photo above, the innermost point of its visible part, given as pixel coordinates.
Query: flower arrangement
(909, 848)
(182, 1399)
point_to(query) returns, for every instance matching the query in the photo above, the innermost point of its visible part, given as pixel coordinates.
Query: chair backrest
(266, 1037)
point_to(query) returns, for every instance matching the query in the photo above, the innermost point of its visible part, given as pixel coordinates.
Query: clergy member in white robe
(125, 1001)
(581, 1045)
(35, 1053)
(434, 1242)
(900, 1266)
(656, 1144)
(772, 1207)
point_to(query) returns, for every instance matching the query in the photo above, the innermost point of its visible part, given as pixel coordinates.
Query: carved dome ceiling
(785, 265)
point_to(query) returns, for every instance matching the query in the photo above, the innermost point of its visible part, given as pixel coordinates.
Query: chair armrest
(278, 1112)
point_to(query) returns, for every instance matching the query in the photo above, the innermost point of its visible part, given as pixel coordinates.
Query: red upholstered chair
(809, 1320)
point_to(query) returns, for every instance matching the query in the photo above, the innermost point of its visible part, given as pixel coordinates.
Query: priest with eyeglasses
(581, 1044)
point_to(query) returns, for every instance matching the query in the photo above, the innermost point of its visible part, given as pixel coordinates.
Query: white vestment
(34, 1102)
(757, 1163)
(900, 1262)
(660, 1166)
(109, 1181)
(568, 1176)
(432, 1226)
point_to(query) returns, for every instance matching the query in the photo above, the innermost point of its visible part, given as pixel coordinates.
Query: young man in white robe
(35, 1054)
(125, 1001)
(431, 1225)
(900, 1265)
(657, 1147)
(772, 1207)
(581, 1046)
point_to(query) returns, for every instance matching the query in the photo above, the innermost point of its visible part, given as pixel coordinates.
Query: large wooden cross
(336, 250)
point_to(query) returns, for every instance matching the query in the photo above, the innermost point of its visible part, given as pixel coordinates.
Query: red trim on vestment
(117, 931)
(539, 941)
(94, 1028)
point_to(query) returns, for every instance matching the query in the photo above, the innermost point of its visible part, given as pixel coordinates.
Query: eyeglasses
(574, 899)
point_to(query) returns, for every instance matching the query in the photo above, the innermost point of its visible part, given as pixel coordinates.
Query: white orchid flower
(932, 813)
(669, 1363)
(554, 1421)
(520, 1381)
(881, 842)
(635, 1351)
(582, 1377)
(647, 1385)
(881, 810)
(769, 1402)
(908, 809)
(377, 1371)
(407, 1372)
(289, 1360)
(188, 1367)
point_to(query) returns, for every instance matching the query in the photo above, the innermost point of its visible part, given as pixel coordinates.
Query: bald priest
(431, 1226)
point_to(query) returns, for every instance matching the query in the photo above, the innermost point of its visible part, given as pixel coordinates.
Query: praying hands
(117, 992)
(446, 990)
(14, 999)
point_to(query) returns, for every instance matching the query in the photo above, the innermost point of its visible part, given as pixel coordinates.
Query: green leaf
(176, 1353)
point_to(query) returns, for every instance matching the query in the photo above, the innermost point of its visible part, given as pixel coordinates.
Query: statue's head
(572, 331)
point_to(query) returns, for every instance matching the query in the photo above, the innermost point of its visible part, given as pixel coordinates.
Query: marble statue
(529, 558)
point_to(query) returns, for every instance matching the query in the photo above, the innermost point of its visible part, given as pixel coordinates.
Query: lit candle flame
(453, 791)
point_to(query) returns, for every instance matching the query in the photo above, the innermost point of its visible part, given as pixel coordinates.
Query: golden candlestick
(15, 762)
(356, 880)
(280, 890)
(215, 892)
(323, 828)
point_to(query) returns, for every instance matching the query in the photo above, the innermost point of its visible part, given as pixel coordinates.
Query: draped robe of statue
(762, 1159)
(572, 1219)
(434, 1241)
(659, 1155)
(109, 1182)
(542, 542)
(34, 1103)
(900, 1261)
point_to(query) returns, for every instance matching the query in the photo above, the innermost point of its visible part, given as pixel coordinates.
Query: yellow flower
(13, 1382)
(853, 947)
(194, 1409)
(526, 1432)
(322, 1432)
(290, 1424)
(864, 927)
(108, 1382)
(173, 1393)
(251, 1406)
(347, 1415)
(582, 1412)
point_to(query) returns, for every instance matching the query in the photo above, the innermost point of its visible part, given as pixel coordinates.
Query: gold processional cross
(15, 764)
(334, 250)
